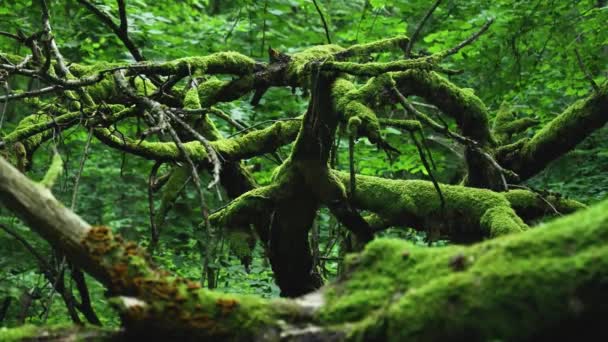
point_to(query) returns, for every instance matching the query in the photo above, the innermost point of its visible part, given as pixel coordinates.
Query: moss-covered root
(545, 284)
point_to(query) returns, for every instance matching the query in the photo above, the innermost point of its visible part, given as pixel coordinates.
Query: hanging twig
(85, 305)
(351, 165)
(153, 229)
(540, 195)
(470, 143)
(80, 168)
(233, 26)
(5, 105)
(41, 259)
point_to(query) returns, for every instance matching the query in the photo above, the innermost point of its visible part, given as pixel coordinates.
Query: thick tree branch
(559, 136)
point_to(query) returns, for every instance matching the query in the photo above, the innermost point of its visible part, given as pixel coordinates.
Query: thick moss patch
(516, 287)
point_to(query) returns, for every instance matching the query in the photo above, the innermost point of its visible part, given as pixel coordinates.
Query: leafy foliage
(527, 61)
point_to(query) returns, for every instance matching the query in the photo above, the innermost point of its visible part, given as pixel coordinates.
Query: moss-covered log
(394, 290)
(547, 283)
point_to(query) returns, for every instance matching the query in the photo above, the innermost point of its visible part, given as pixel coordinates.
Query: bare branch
(85, 154)
(469, 40)
(586, 72)
(325, 27)
(120, 31)
(428, 14)
(33, 93)
(122, 12)
(52, 48)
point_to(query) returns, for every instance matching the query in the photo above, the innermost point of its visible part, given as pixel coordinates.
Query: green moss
(464, 106)
(378, 68)
(14, 59)
(54, 171)
(408, 125)
(171, 191)
(61, 332)
(240, 243)
(152, 150)
(561, 134)
(29, 124)
(401, 292)
(251, 144)
(218, 63)
(191, 99)
(208, 90)
(360, 119)
(244, 209)
(530, 205)
(259, 141)
(382, 45)
(506, 124)
(467, 211)
(298, 72)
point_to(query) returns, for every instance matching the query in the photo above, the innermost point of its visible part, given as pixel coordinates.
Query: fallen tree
(548, 282)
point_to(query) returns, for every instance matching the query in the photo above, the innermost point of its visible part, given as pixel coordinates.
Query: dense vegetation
(257, 147)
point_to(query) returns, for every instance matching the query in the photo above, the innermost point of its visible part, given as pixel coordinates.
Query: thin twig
(588, 76)
(122, 13)
(51, 44)
(325, 27)
(469, 40)
(153, 228)
(410, 44)
(33, 93)
(212, 153)
(80, 168)
(5, 105)
(470, 143)
(264, 13)
(120, 31)
(41, 260)
(12, 36)
(351, 165)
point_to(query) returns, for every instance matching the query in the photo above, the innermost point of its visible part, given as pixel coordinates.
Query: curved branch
(560, 135)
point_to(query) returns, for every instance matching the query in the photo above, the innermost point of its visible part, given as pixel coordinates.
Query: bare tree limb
(325, 27)
(414, 37)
